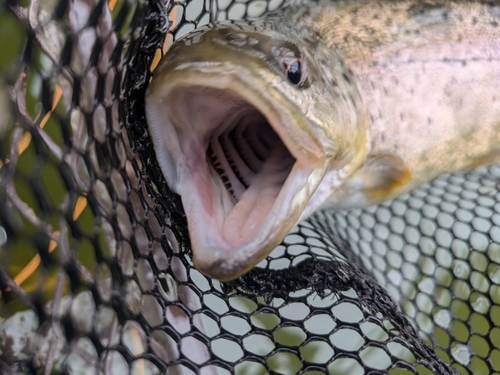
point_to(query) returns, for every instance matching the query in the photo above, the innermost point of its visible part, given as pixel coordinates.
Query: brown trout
(257, 124)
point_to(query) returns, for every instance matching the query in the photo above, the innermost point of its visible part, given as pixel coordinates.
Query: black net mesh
(95, 271)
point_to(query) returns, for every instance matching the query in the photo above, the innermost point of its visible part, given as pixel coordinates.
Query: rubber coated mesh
(95, 271)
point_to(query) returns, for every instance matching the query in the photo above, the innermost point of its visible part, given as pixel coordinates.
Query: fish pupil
(294, 72)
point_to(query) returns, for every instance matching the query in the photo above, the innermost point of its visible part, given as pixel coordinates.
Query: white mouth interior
(246, 161)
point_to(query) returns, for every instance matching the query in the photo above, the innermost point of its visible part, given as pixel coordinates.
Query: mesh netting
(95, 270)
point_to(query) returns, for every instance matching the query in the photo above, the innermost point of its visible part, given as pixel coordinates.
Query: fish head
(247, 119)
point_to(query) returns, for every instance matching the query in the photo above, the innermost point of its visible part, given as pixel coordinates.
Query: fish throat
(246, 162)
(249, 157)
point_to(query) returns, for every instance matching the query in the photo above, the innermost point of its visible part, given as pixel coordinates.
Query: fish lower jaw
(228, 239)
(215, 219)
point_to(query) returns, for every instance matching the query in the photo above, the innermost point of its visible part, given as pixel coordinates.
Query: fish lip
(212, 254)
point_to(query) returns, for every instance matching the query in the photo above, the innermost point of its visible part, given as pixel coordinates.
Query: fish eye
(293, 70)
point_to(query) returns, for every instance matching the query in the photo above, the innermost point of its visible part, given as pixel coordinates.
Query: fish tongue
(254, 206)
(247, 216)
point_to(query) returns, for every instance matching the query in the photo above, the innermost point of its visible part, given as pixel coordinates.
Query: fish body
(258, 123)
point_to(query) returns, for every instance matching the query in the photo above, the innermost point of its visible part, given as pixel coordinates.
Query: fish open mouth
(253, 165)
(242, 187)
(245, 159)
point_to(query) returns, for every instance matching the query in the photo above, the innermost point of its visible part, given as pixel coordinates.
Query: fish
(259, 123)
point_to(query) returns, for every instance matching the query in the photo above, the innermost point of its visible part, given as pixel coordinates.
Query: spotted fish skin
(428, 72)
(343, 104)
